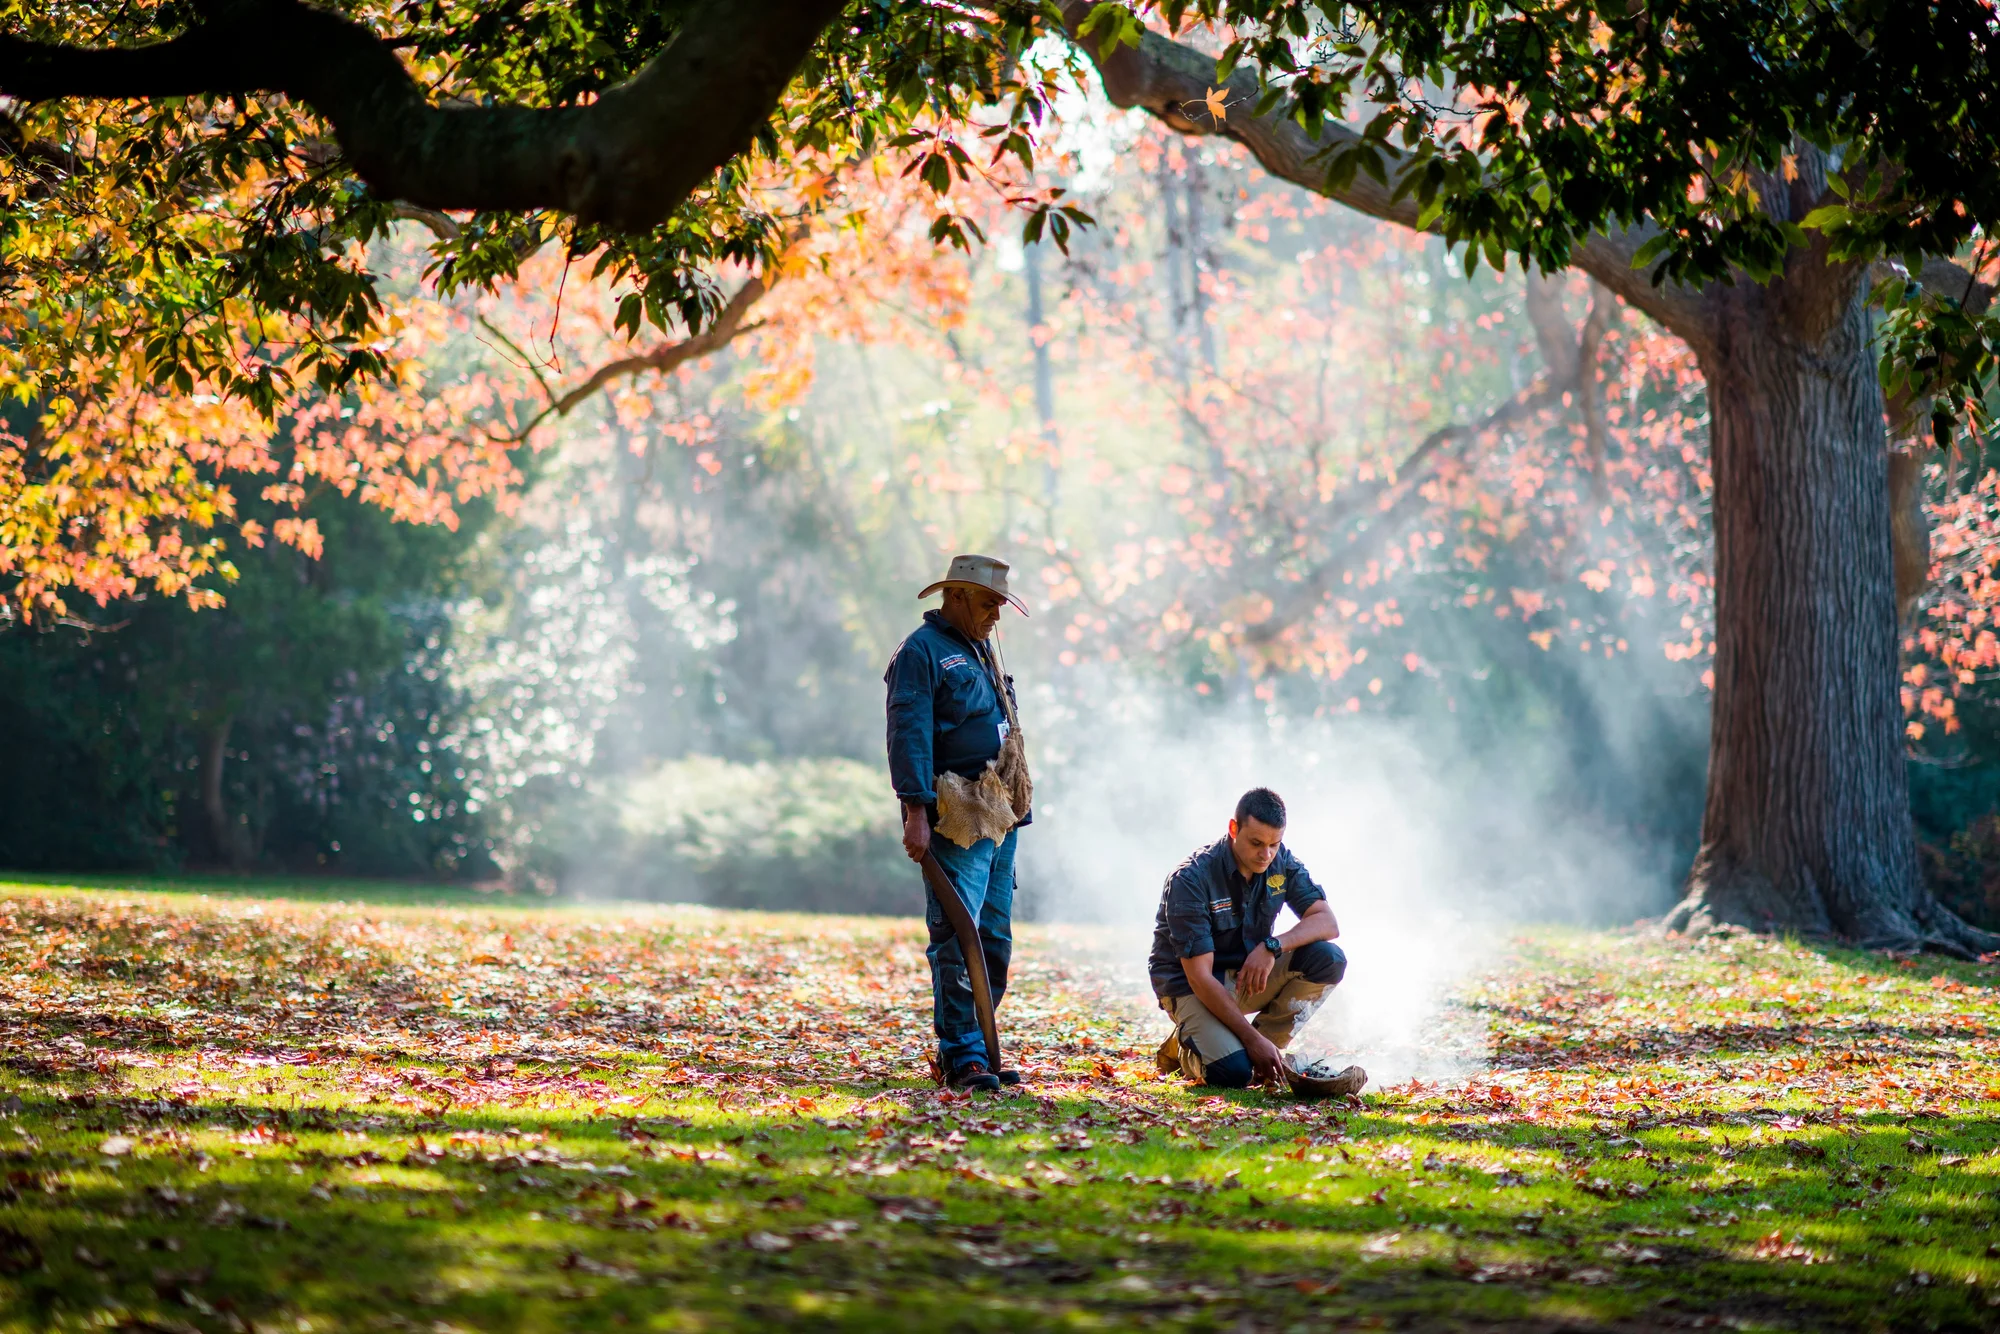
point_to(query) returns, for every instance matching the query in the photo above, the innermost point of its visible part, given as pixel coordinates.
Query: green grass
(222, 1113)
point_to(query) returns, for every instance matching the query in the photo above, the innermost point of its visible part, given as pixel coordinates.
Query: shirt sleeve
(1301, 890)
(912, 681)
(1187, 916)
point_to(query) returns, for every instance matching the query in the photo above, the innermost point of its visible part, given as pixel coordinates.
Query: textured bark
(1909, 531)
(1807, 822)
(627, 160)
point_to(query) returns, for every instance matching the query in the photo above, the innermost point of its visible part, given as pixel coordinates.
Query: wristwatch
(1274, 945)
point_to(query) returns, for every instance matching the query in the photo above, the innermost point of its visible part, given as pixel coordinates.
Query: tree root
(1944, 933)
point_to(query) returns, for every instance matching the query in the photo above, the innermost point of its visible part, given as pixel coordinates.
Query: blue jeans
(984, 875)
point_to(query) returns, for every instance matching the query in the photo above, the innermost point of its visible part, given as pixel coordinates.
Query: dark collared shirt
(1210, 907)
(944, 714)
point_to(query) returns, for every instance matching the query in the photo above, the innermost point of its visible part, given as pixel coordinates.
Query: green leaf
(1225, 65)
(1827, 217)
(1653, 249)
(1119, 25)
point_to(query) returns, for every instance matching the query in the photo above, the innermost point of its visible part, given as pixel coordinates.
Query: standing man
(959, 766)
(1215, 963)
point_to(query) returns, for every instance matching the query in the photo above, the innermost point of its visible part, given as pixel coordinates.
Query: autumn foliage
(111, 485)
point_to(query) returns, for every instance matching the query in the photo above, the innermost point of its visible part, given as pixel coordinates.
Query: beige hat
(983, 572)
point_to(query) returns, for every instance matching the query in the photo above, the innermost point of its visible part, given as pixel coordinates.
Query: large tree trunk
(1807, 825)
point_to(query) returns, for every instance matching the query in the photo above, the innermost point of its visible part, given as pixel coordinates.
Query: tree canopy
(206, 169)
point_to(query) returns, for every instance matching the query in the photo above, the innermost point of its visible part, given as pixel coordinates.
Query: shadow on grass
(755, 1235)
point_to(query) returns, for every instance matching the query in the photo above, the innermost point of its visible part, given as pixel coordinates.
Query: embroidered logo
(955, 660)
(1275, 881)
(1219, 905)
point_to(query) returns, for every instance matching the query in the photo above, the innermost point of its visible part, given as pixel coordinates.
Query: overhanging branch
(1172, 80)
(626, 161)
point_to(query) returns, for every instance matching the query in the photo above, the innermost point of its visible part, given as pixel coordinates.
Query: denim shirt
(1198, 913)
(944, 714)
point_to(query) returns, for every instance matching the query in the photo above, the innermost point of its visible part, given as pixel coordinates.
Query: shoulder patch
(1275, 881)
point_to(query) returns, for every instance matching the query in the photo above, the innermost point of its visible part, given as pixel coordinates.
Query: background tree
(293, 728)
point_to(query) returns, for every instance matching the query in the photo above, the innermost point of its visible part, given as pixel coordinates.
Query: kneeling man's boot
(1168, 1058)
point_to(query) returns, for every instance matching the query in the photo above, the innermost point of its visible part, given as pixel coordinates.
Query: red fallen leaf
(1315, 1288)
(1775, 1247)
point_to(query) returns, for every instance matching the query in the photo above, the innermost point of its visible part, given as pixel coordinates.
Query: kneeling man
(1215, 963)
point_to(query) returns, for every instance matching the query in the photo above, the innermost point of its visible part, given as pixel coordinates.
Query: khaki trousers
(1280, 1010)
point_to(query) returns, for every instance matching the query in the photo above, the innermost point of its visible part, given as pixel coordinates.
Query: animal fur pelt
(992, 804)
(972, 809)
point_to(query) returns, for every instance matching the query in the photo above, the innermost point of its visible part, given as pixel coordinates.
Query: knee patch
(1231, 1072)
(1322, 961)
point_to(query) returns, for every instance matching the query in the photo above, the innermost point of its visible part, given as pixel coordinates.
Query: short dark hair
(1262, 805)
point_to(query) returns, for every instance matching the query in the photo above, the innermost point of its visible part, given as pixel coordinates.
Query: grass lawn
(223, 1112)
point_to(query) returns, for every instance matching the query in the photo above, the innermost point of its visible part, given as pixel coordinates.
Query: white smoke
(1424, 860)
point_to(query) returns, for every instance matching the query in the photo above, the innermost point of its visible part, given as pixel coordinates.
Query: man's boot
(1168, 1058)
(973, 1077)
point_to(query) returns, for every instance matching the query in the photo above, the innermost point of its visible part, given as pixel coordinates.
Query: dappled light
(302, 1113)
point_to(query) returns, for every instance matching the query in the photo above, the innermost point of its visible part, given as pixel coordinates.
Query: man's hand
(916, 832)
(1267, 1063)
(1254, 974)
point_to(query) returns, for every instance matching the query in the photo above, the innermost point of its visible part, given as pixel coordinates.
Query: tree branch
(626, 161)
(1392, 512)
(442, 225)
(1570, 355)
(727, 328)
(1590, 393)
(1171, 79)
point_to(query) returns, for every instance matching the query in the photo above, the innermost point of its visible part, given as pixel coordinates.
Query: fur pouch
(1013, 768)
(972, 809)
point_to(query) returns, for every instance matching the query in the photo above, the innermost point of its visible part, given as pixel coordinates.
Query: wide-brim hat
(987, 573)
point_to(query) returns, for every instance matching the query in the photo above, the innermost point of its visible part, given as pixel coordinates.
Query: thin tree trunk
(1807, 824)
(1045, 383)
(221, 833)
